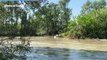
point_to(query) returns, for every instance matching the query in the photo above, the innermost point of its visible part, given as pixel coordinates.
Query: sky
(75, 5)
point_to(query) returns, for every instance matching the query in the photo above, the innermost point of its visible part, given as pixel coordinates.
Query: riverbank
(81, 44)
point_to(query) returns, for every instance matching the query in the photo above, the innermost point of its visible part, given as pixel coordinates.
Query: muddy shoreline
(81, 44)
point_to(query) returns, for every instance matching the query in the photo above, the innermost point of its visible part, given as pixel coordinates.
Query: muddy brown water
(49, 48)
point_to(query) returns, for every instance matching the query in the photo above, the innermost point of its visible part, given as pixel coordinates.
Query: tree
(86, 7)
(52, 19)
(64, 3)
(64, 16)
(89, 6)
(47, 19)
(10, 20)
(98, 4)
(34, 17)
(3, 14)
(91, 25)
(26, 26)
(102, 3)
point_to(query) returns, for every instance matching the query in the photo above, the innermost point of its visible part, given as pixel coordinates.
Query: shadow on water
(19, 49)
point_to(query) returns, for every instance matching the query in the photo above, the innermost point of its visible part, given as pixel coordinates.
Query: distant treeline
(91, 23)
(33, 18)
(45, 18)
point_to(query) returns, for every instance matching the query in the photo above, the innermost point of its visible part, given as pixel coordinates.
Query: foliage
(91, 22)
(92, 25)
(44, 18)
(89, 6)
(34, 18)
(51, 19)
(14, 51)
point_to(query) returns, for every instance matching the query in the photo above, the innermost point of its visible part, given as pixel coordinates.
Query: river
(49, 48)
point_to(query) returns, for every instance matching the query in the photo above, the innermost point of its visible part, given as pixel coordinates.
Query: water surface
(47, 53)
(48, 48)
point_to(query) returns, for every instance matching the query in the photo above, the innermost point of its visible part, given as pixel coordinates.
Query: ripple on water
(65, 54)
